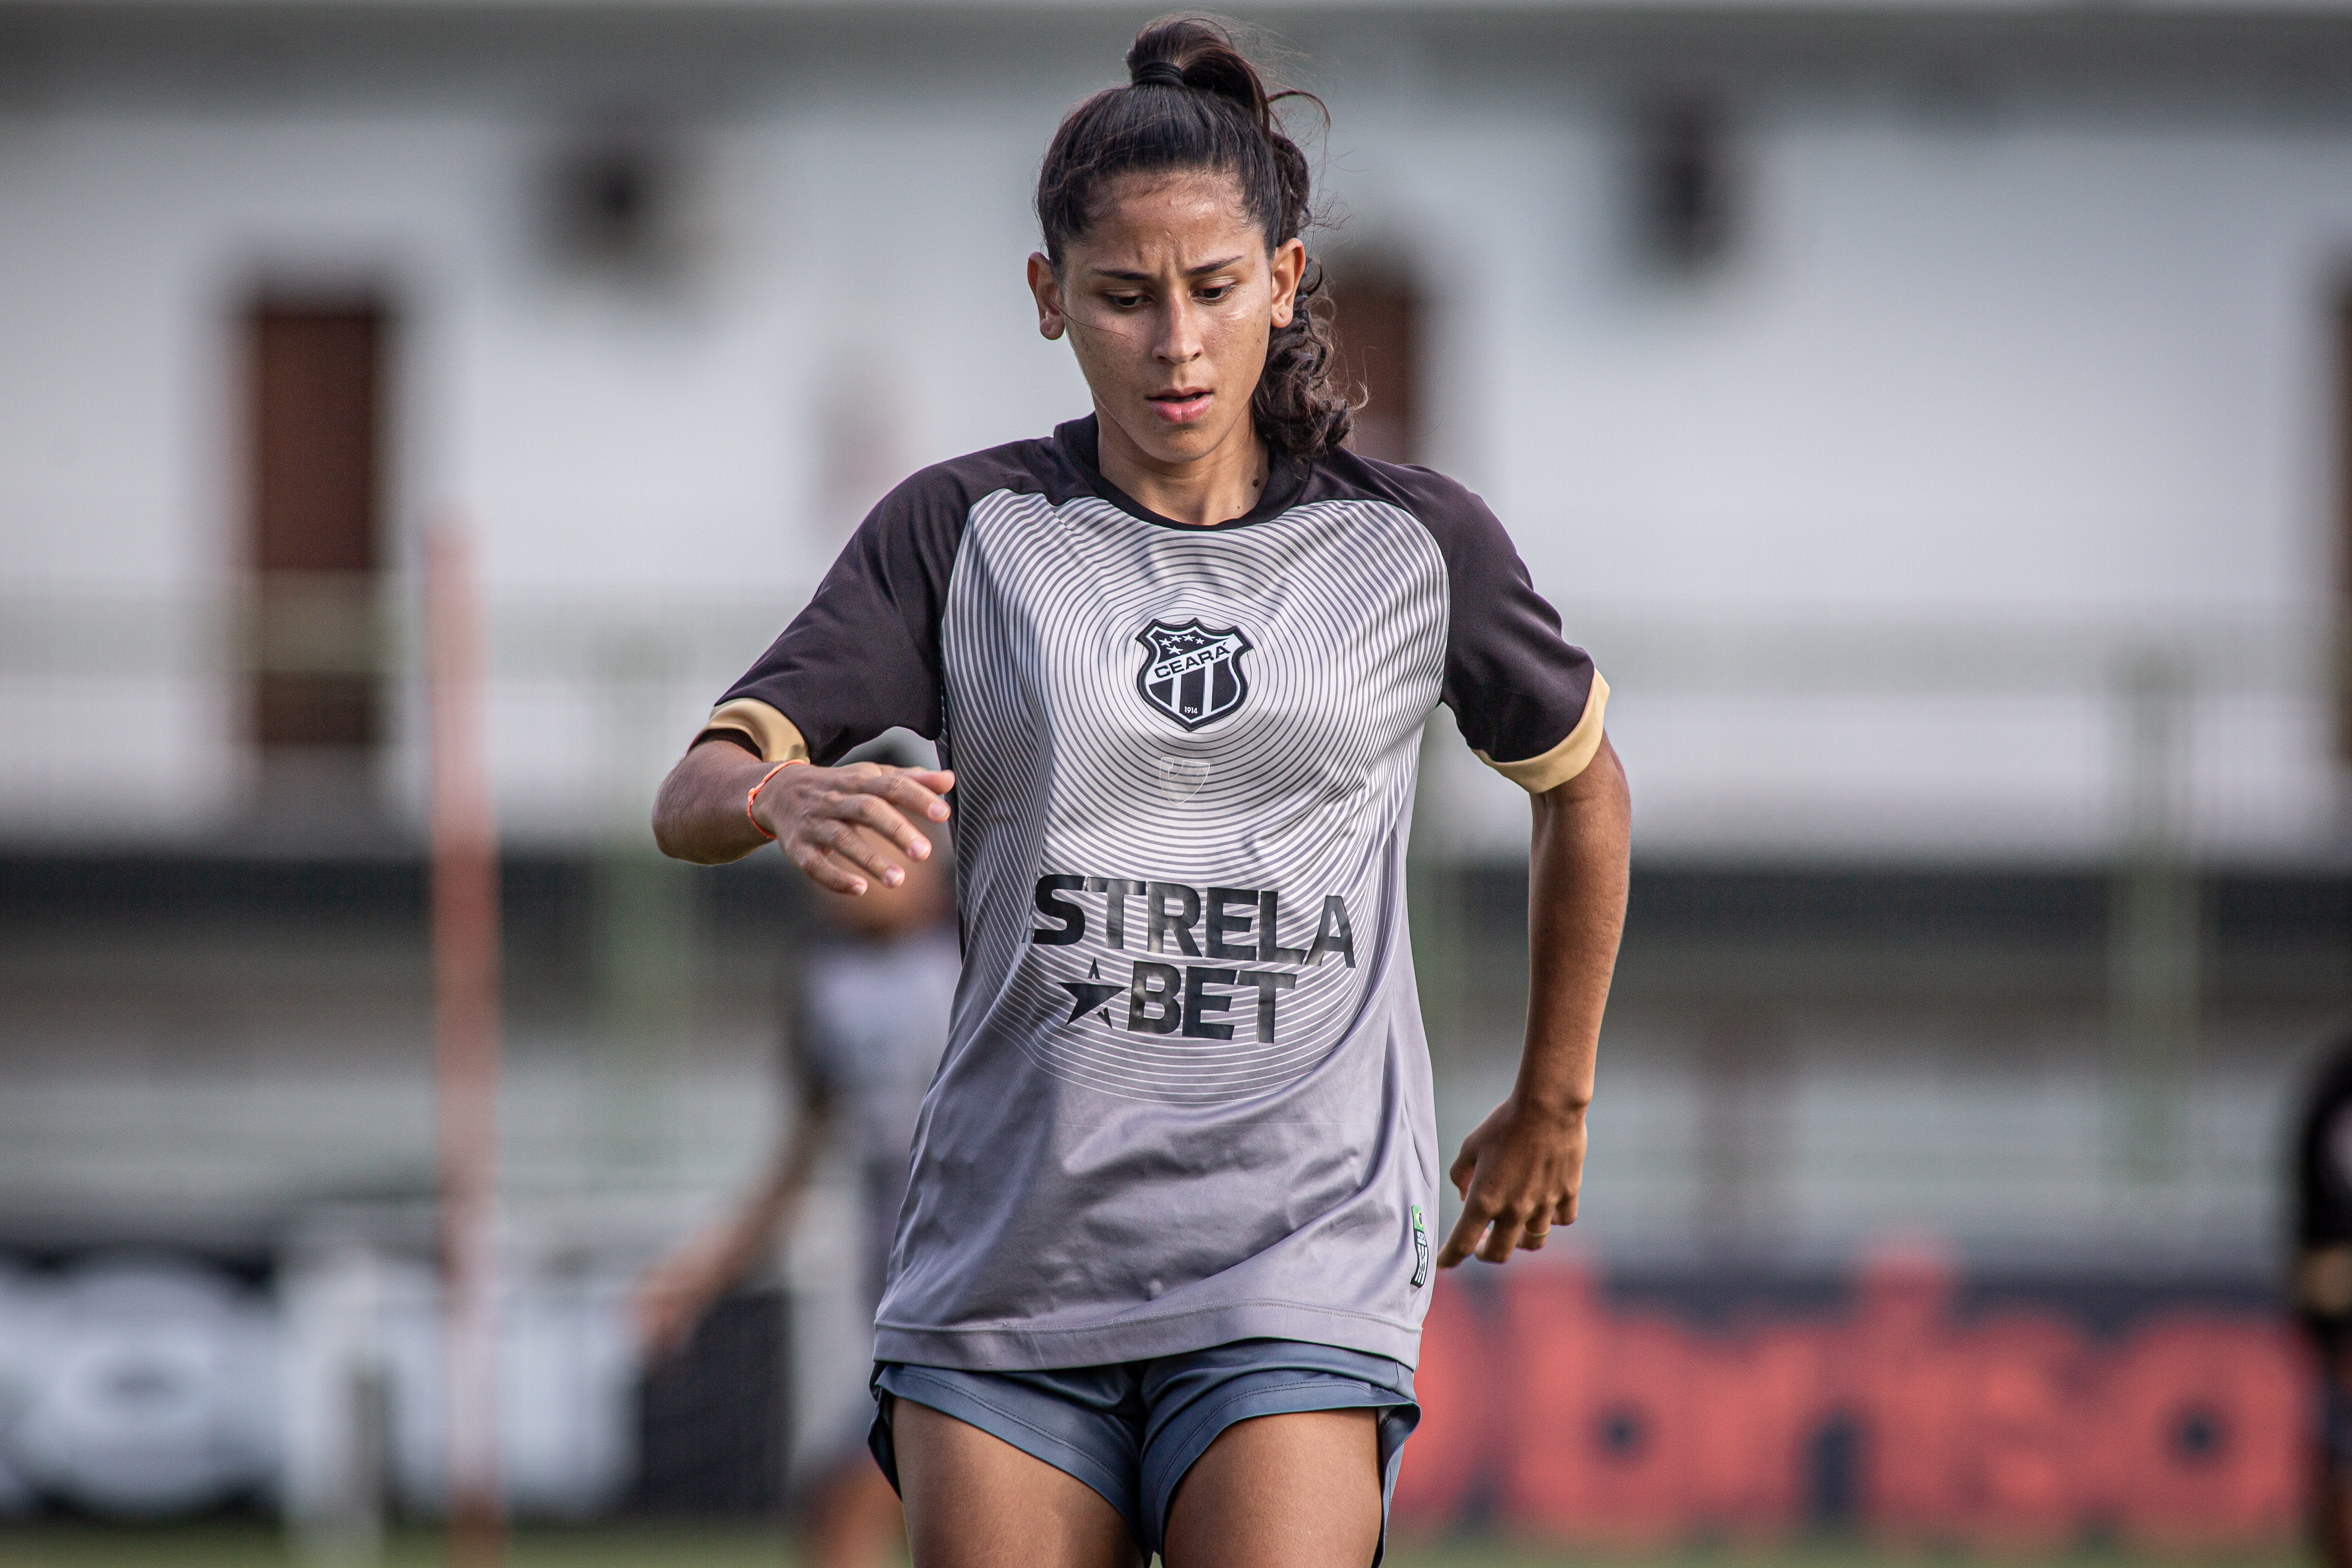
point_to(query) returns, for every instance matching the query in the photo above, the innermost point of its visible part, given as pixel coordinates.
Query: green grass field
(234, 1545)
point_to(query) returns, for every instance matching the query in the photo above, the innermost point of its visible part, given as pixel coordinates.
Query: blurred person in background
(866, 1019)
(2322, 1178)
(1159, 1278)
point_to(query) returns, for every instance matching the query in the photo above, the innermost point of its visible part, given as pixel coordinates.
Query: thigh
(1300, 1490)
(976, 1501)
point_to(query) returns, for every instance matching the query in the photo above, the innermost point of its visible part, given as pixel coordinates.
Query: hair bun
(1157, 73)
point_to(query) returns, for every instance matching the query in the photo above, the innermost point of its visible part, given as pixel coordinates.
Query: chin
(1182, 448)
(1181, 443)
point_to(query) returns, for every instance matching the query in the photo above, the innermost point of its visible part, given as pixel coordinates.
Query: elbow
(671, 825)
(697, 812)
(666, 839)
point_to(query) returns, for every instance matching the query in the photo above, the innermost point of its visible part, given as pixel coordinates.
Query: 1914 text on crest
(1191, 672)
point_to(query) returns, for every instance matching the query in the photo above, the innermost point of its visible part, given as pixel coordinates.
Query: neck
(1217, 487)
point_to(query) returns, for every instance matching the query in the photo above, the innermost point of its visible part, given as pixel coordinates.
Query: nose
(1179, 332)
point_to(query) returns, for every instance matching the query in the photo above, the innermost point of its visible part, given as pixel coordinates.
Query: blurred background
(1934, 417)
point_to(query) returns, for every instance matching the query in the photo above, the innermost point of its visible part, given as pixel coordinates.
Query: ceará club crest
(1191, 672)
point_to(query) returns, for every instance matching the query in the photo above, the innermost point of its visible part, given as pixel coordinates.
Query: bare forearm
(698, 814)
(1575, 913)
(684, 1285)
(1520, 1170)
(755, 1227)
(842, 827)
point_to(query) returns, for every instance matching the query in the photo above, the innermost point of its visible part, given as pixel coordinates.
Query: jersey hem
(1013, 1349)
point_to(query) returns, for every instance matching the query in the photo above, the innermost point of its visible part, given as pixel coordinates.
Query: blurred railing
(2067, 737)
(2143, 753)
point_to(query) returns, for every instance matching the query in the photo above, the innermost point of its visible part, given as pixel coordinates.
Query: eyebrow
(1148, 276)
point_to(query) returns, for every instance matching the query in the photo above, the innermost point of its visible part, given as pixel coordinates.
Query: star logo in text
(1089, 994)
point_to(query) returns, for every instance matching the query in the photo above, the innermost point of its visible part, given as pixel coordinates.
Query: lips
(1182, 407)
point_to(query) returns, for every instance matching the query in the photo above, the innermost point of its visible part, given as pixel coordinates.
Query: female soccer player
(1159, 1279)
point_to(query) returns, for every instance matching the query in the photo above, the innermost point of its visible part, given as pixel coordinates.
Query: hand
(839, 825)
(672, 1298)
(1518, 1174)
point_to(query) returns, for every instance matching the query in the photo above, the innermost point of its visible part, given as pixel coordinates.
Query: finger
(850, 868)
(1464, 1166)
(879, 815)
(657, 1329)
(932, 784)
(1532, 1240)
(880, 780)
(675, 1336)
(860, 848)
(1502, 1238)
(907, 792)
(1463, 1240)
(1564, 1211)
(833, 875)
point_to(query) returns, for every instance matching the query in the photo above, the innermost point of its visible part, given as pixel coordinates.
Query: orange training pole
(466, 1042)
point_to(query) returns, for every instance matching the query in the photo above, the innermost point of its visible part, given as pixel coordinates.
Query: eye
(1124, 301)
(1215, 292)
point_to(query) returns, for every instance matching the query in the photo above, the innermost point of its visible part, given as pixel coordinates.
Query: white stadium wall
(1988, 400)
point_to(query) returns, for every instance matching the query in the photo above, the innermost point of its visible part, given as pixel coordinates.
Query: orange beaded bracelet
(756, 788)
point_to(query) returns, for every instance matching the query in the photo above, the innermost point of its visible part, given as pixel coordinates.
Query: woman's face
(1169, 298)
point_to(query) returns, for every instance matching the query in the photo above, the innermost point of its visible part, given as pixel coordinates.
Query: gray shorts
(1131, 1429)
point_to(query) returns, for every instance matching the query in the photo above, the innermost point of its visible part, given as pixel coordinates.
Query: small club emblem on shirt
(1420, 1250)
(1191, 672)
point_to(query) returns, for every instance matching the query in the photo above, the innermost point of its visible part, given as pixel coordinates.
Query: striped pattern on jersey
(1186, 1095)
(1321, 636)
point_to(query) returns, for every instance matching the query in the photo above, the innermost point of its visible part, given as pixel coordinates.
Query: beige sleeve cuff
(1563, 762)
(778, 738)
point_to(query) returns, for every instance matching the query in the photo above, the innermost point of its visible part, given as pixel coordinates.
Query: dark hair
(1195, 102)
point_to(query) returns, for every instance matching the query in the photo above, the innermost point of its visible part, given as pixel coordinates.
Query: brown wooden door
(316, 401)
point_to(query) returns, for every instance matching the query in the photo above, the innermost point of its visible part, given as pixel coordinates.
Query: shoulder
(1456, 516)
(911, 537)
(1038, 465)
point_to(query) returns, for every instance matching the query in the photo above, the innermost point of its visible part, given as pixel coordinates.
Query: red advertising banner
(1555, 1412)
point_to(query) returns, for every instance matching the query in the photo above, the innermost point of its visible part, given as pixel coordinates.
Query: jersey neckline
(1080, 441)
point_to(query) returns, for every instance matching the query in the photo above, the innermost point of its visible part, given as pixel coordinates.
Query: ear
(1046, 290)
(1289, 267)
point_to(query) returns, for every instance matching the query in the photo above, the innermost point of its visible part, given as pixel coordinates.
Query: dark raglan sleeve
(864, 656)
(1527, 701)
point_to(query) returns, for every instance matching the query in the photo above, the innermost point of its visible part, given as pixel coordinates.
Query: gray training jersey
(1185, 1098)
